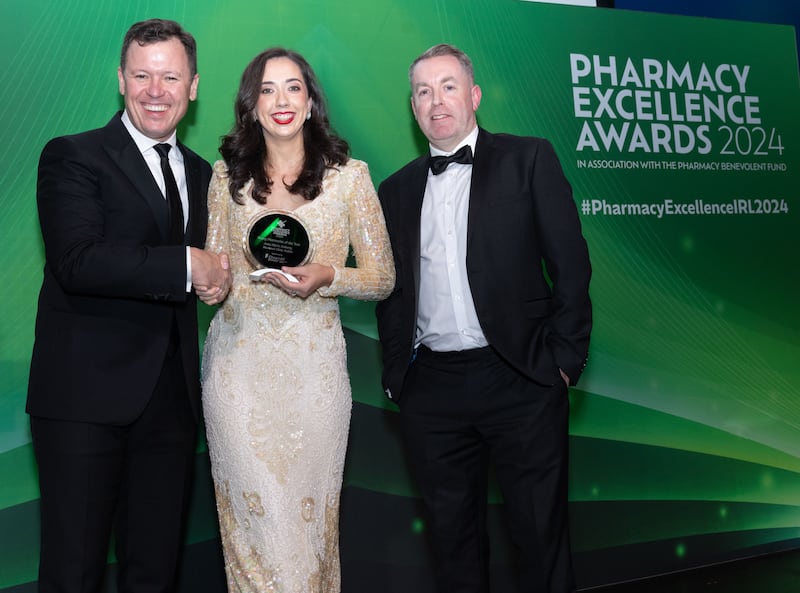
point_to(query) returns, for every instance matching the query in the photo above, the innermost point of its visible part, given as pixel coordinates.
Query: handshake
(211, 275)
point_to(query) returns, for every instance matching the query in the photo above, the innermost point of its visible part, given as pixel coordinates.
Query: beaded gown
(276, 392)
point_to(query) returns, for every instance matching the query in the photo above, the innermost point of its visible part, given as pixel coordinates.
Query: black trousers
(134, 478)
(459, 412)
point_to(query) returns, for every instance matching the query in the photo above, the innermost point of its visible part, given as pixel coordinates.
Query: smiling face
(157, 84)
(283, 102)
(444, 100)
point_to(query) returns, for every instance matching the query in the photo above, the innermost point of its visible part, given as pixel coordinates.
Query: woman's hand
(309, 278)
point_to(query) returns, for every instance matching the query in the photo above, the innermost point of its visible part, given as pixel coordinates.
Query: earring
(308, 115)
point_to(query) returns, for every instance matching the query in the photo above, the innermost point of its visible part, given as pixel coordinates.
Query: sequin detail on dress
(276, 393)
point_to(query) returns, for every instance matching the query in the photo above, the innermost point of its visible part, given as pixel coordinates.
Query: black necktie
(173, 196)
(463, 155)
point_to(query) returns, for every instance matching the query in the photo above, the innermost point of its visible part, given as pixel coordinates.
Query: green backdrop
(680, 138)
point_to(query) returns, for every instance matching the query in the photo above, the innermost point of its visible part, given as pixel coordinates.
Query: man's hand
(211, 275)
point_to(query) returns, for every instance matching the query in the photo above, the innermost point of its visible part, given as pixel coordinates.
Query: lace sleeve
(218, 203)
(373, 277)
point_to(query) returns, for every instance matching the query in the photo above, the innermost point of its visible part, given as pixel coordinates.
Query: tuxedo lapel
(480, 185)
(416, 190)
(121, 148)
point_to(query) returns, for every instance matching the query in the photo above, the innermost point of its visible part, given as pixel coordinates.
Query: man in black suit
(487, 326)
(114, 389)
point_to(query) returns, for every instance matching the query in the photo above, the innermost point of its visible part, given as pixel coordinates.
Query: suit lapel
(124, 152)
(195, 192)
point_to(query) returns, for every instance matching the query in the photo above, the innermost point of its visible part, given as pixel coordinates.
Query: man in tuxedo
(114, 389)
(486, 328)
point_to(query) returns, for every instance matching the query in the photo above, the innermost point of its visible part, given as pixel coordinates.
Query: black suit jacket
(521, 217)
(112, 285)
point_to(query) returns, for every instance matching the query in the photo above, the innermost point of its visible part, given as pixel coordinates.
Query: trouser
(135, 478)
(462, 410)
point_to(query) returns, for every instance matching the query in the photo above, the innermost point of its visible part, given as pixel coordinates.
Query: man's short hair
(155, 30)
(444, 49)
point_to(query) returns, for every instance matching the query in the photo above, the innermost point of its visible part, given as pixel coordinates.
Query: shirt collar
(470, 139)
(145, 144)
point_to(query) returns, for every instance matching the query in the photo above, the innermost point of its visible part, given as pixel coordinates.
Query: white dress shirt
(446, 318)
(153, 160)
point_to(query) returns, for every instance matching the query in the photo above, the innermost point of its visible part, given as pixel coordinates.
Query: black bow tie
(463, 155)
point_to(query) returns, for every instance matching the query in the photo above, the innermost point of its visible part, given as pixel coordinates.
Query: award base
(259, 273)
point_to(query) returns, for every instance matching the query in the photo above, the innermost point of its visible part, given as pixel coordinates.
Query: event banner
(680, 137)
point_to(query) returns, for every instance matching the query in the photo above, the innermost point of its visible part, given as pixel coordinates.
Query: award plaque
(277, 238)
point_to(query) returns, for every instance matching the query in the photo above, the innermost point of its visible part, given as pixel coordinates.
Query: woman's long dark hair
(245, 151)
